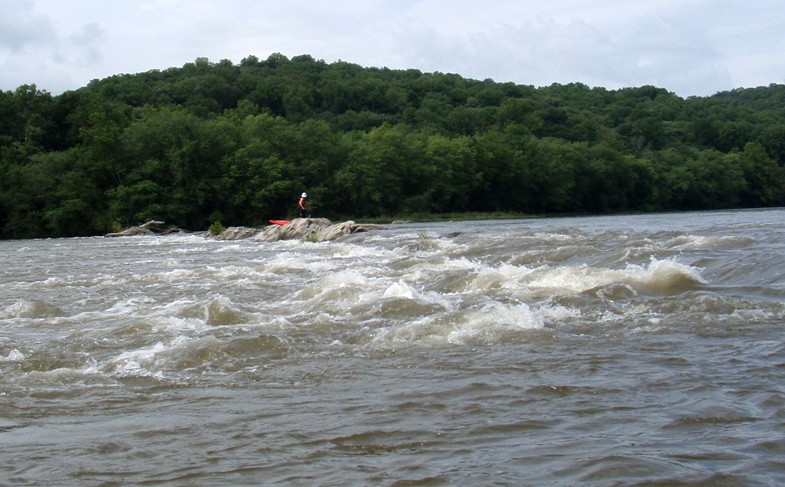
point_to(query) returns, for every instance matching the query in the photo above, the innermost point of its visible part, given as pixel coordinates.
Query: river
(618, 350)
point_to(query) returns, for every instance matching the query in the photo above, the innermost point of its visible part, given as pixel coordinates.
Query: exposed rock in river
(315, 229)
(236, 233)
(149, 228)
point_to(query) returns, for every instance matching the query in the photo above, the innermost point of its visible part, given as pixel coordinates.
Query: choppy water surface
(634, 350)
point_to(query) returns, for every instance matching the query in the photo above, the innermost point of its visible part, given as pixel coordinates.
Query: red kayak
(279, 222)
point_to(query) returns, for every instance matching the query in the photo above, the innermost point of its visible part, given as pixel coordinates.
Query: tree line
(237, 143)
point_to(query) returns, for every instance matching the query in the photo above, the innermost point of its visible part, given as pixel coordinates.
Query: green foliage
(216, 228)
(213, 142)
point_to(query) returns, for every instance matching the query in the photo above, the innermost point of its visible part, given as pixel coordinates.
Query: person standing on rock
(302, 205)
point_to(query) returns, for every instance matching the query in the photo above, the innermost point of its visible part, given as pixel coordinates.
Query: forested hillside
(237, 144)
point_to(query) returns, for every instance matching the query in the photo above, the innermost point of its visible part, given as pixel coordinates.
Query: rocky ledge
(153, 227)
(313, 229)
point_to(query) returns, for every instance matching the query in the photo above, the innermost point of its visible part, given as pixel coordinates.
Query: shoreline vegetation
(236, 144)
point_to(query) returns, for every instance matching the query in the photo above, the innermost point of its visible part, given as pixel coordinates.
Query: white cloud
(691, 47)
(21, 28)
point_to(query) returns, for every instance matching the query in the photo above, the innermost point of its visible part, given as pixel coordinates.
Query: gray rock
(314, 229)
(148, 228)
(236, 233)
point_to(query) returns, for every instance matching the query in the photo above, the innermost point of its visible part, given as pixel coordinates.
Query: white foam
(233, 273)
(568, 280)
(486, 324)
(137, 362)
(188, 250)
(400, 289)
(231, 248)
(344, 279)
(13, 356)
(151, 361)
(174, 324)
(664, 276)
(492, 320)
(504, 276)
(426, 269)
(559, 313)
(659, 276)
(687, 242)
(335, 292)
(351, 251)
(130, 306)
(31, 309)
(285, 262)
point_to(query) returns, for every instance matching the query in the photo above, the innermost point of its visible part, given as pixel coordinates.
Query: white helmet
(305, 195)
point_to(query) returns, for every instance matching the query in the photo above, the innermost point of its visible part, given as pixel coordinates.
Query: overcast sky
(689, 47)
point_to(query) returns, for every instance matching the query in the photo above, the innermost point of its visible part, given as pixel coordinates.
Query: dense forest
(237, 143)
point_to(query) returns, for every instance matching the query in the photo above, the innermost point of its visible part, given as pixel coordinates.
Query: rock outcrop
(149, 228)
(312, 229)
(236, 233)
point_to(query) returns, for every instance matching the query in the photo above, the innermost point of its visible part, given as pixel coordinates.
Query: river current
(623, 350)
